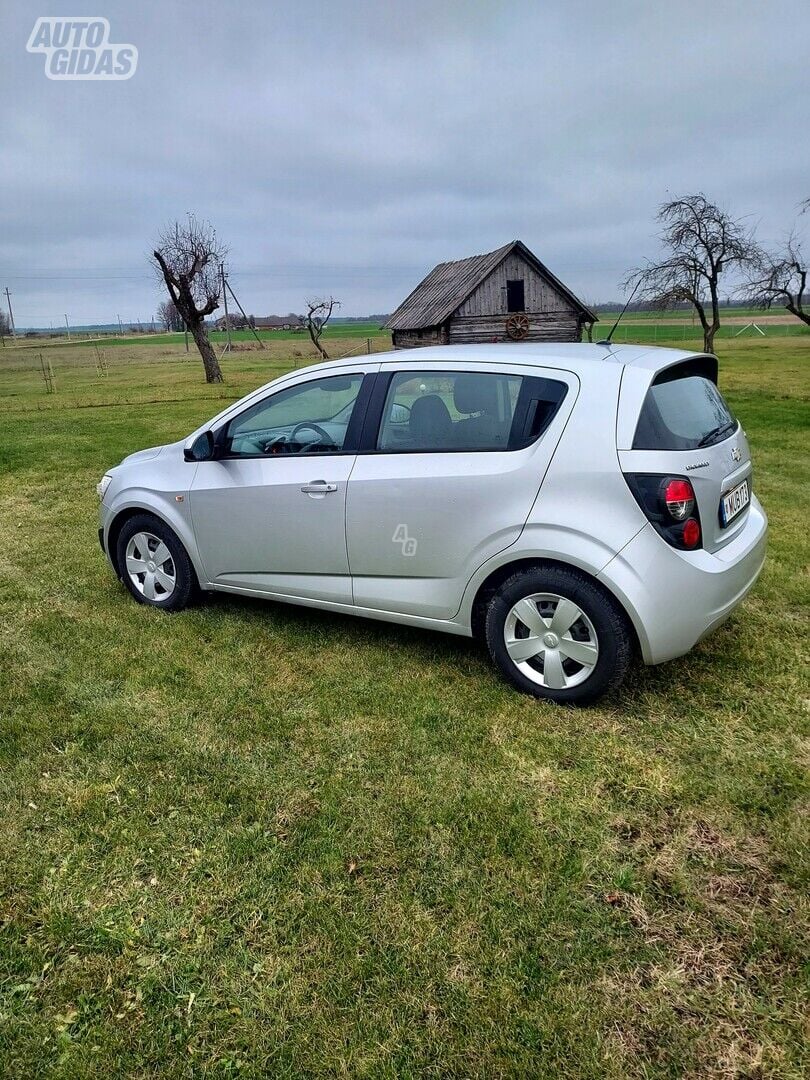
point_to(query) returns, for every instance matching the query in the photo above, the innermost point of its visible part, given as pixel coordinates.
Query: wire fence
(82, 373)
(150, 369)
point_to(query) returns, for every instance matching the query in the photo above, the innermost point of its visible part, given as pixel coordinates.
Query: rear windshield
(683, 414)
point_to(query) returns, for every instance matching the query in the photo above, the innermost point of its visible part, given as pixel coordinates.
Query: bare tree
(703, 241)
(188, 256)
(169, 317)
(4, 324)
(781, 278)
(319, 312)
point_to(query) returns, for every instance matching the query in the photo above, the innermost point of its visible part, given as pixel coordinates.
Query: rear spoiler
(705, 365)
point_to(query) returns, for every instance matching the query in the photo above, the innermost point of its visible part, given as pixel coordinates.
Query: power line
(279, 270)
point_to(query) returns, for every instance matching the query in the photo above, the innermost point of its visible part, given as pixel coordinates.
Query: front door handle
(318, 487)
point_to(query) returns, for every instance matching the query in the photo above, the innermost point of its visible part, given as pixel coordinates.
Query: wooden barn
(505, 295)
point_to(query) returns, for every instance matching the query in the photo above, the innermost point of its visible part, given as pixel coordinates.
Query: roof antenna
(606, 341)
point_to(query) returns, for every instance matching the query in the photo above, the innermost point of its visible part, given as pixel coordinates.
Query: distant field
(652, 332)
(642, 326)
(672, 327)
(726, 312)
(337, 332)
(255, 841)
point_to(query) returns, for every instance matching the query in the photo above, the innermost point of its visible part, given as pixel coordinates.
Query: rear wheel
(153, 564)
(556, 634)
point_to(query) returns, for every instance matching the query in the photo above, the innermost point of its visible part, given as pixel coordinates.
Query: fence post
(47, 374)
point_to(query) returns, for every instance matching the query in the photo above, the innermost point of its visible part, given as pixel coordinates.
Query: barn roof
(449, 284)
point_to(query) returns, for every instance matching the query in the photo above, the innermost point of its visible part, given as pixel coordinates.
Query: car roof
(572, 356)
(577, 357)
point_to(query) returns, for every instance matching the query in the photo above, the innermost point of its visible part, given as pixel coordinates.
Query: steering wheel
(324, 440)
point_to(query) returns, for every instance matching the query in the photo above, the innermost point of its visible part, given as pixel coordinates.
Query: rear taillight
(679, 498)
(670, 506)
(691, 533)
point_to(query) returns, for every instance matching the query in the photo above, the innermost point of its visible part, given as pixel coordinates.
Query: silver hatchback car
(568, 504)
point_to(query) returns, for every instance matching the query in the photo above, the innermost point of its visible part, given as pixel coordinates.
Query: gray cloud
(348, 146)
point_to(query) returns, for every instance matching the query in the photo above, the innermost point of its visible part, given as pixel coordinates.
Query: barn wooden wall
(490, 296)
(552, 326)
(415, 339)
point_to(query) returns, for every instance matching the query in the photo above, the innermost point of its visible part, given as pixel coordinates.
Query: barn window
(515, 296)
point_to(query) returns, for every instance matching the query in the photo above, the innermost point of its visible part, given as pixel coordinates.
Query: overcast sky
(347, 147)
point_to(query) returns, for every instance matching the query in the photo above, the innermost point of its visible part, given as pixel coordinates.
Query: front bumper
(675, 598)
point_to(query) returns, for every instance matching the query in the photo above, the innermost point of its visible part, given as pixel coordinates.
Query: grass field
(252, 840)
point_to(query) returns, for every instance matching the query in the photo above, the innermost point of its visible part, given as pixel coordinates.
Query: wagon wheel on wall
(517, 327)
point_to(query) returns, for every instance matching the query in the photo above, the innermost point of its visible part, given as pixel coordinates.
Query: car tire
(575, 644)
(154, 565)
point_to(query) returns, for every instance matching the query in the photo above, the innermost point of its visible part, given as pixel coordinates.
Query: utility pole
(225, 301)
(10, 313)
(247, 320)
(67, 324)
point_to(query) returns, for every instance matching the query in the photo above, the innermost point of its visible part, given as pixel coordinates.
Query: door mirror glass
(202, 449)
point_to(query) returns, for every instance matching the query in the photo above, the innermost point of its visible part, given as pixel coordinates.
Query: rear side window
(454, 410)
(683, 414)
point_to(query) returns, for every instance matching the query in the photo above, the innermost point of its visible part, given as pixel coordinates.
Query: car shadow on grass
(347, 629)
(716, 660)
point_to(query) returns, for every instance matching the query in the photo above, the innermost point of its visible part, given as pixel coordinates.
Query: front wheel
(154, 565)
(556, 634)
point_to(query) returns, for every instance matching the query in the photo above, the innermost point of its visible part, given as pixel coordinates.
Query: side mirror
(202, 449)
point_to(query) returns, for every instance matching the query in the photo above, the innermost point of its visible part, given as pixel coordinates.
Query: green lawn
(258, 841)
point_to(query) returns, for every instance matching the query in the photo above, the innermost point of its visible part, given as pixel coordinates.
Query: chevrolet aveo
(570, 505)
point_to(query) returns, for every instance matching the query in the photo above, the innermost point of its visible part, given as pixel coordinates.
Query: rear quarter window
(683, 414)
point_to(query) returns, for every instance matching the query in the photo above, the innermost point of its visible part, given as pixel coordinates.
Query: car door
(451, 463)
(269, 510)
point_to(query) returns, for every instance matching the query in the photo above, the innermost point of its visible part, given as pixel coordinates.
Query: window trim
(353, 429)
(374, 413)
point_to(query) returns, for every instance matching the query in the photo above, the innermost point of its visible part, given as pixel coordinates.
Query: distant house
(279, 322)
(504, 295)
(266, 322)
(237, 322)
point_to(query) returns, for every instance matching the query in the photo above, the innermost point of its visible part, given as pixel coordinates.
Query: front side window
(310, 418)
(683, 414)
(449, 410)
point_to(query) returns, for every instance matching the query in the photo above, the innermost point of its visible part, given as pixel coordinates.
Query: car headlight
(103, 484)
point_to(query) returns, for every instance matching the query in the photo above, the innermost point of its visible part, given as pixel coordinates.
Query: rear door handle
(318, 487)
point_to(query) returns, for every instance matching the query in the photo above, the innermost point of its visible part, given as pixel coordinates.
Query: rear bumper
(675, 598)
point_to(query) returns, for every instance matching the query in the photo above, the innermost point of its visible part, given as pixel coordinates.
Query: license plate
(734, 502)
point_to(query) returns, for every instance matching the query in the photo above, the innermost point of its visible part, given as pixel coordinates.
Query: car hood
(142, 455)
(150, 453)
